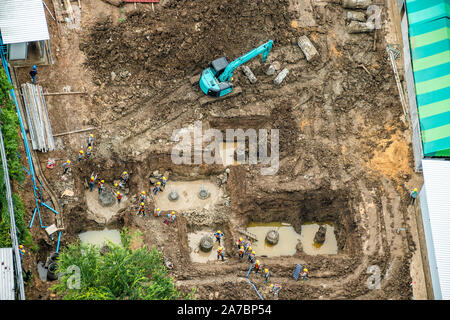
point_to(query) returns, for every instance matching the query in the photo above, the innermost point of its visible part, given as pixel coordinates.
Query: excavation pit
(100, 213)
(228, 153)
(101, 237)
(196, 252)
(188, 195)
(311, 248)
(287, 242)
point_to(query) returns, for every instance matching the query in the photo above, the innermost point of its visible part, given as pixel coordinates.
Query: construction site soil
(345, 153)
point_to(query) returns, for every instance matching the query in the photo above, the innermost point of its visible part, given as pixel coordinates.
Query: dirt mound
(183, 38)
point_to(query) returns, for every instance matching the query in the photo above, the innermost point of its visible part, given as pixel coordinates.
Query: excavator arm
(215, 80)
(263, 49)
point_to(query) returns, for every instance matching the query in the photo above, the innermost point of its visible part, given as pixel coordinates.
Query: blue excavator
(215, 81)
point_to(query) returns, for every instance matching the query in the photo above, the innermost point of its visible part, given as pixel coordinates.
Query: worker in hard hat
(100, 186)
(246, 246)
(125, 176)
(21, 251)
(88, 152)
(33, 74)
(91, 140)
(266, 275)
(257, 266)
(142, 209)
(157, 212)
(413, 195)
(80, 155)
(142, 197)
(276, 288)
(304, 274)
(66, 166)
(218, 235)
(163, 182)
(241, 252)
(220, 254)
(92, 182)
(119, 197)
(252, 257)
(171, 217)
(239, 242)
(157, 188)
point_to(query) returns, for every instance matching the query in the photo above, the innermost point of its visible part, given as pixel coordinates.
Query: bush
(121, 274)
(10, 125)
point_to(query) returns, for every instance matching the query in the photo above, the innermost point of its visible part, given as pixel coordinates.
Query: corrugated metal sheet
(23, 21)
(6, 274)
(411, 93)
(436, 175)
(429, 33)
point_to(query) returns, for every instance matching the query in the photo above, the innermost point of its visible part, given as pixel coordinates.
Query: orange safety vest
(100, 184)
(119, 196)
(241, 250)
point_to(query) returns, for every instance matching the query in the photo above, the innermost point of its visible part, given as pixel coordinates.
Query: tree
(117, 273)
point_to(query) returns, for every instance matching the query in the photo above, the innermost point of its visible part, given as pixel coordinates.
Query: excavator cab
(209, 83)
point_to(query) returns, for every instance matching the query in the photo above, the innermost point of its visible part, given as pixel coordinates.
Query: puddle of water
(198, 255)
(188, 195)
(311, 248)
(99, 238)
(227, 153)
(289, 238)
(286, 245)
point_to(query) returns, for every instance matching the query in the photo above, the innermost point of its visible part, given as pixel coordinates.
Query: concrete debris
(68, 193)
(113, 76)
(271, 70)
(249, 74)
(280, 77)
(307, 48)
(356, 4)
(360, 27)
(356, 16)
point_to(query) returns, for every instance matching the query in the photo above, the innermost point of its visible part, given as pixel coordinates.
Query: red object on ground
(154, 1)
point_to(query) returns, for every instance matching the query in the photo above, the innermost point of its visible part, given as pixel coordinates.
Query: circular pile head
(203, 193)
(272, 237)
(106, 199)
(173, 195)
(206, 243)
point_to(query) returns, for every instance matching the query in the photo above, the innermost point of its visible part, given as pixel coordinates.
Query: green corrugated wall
(429, 32)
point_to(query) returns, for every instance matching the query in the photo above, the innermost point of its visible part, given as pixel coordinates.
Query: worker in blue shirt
(218, 235)
(33, 74)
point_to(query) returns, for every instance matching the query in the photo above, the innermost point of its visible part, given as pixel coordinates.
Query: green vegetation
(10, 124)
(119, 273)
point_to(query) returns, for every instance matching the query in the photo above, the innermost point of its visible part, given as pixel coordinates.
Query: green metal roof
(429, 33)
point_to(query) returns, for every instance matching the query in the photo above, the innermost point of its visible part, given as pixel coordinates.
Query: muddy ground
(345, 153)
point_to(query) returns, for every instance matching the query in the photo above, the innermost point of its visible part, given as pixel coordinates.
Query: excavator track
(207, 99)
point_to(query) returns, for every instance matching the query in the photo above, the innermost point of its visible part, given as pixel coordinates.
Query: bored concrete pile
(206, 243)
(272, 237)
(106, 199)
(307, 47)
(356, 16)
(319, 238)
(356, 4)
(249, 74)
(280, 77)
